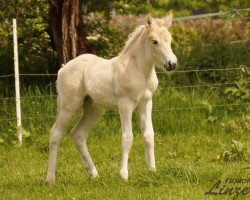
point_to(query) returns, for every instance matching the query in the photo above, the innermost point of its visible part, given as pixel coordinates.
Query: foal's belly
(105, 100)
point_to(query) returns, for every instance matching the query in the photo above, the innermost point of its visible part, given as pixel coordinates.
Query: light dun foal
(124, 83)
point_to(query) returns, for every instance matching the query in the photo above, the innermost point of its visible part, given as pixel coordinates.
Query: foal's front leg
(125, 111)
(145, 119)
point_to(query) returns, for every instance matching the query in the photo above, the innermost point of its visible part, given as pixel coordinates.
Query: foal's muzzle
(170, 66)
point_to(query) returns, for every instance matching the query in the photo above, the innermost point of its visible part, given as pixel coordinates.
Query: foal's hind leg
(81, 131)
(65, 113)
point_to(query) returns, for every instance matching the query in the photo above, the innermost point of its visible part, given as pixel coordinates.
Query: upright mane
(132, 38)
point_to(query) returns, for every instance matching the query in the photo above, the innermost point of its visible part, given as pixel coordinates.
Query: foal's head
(158, 42)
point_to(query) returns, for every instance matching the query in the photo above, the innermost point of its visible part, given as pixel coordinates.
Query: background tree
(67, 29)
(69, 24)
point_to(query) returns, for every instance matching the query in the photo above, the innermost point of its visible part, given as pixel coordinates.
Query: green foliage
(184, 36)
(115, 6)
(210, 30)
(240, 92)
(216, 55)
(239, 152)
(161, 7)
(133, 6)
(34, 43)
(189, 7)
(238, 125)
(104, 40)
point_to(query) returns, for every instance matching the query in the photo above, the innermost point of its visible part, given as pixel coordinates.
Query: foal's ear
(168, 19)
(148, 20)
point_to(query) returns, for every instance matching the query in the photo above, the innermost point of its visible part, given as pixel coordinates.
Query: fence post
(17, 85)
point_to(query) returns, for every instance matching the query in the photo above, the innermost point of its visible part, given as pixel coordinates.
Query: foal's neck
(144, 64)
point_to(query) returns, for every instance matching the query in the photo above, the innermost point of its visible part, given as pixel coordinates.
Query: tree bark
(67, 29)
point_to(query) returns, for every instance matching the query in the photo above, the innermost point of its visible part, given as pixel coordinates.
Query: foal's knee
(55, 137)
(127, 141)
(148, 141)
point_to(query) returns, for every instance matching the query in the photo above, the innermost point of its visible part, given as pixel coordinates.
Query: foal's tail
(58, 105)
(58, 93)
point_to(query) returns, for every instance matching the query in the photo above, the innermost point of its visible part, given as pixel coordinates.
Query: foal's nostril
(171, 65)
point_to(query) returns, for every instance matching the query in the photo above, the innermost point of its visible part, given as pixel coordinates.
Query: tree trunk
(67, 29)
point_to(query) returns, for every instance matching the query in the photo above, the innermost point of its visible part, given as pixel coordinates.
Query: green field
(189, 147)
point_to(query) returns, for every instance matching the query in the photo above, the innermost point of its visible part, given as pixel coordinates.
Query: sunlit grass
(184, 161)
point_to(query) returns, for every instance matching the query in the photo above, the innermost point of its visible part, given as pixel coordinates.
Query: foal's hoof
(93, 178)
(152, 169)
(93, 174)
(124, 174)
(50, 180)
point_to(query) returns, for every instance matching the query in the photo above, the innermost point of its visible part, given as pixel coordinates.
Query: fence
(157, 110)
(240, 69)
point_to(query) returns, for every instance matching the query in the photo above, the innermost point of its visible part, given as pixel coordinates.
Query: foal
(124, 83)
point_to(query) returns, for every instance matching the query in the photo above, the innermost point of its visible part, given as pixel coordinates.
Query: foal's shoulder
(153, 82)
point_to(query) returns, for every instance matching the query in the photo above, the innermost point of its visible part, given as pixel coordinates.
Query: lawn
(185, 169)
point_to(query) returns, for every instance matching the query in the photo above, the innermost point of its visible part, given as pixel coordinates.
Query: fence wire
(157, 110)
(242, 68)
(161, 88)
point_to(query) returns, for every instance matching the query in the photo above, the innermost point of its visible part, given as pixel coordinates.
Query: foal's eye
(155, 41)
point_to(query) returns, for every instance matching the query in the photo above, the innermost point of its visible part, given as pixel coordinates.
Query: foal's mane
(132, 38)
(137, 33)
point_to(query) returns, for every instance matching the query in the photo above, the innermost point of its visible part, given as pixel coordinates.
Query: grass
(185, 168)
(188, 143)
